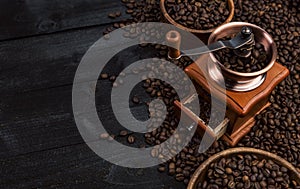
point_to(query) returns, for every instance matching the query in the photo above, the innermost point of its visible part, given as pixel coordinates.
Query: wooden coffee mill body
(242, 107)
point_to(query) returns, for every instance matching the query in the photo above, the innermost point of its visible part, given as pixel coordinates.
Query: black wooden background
(41, 45)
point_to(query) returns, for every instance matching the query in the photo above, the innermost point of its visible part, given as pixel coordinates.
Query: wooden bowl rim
(232, 151)
(168, 17)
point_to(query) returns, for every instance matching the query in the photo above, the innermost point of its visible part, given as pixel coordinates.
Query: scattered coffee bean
(115, 84)
(118, 13)
(131, 139)
(123, 133)
(179, 177)
(135, 100)
(104, 135)
(106, 36)
(104, 76)
(228, 170)
(114, 14)
(154, 152)
(162, 169)
(111, 137)
(112, 78)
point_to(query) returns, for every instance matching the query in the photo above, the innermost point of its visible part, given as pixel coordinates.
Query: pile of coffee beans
(277, 128)
(162, 90)
(258, 59)
(143, 11)
(246, 171)
(198, 14)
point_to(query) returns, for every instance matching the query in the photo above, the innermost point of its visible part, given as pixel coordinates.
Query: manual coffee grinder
(247, 94)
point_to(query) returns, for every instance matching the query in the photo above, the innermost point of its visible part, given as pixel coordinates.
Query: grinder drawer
(191, 119)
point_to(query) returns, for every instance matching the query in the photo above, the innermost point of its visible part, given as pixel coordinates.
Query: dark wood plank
(77, 167)
(49, 61)
(21, 18)
(32, 61)
(42, 120)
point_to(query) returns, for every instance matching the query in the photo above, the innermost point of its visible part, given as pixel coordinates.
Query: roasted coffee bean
(172, 166)
(154, 152)
(231, 184)
(245, 178)
(131, 139)
(135, 100)
(104, 76)
(106, 36)
(115, 84)
(179, 177)
(112, 78)
(123, 133)
(111, 137)
(112, 15)
(162, 169)
(228, 170)
(118, 13)
(104, 135)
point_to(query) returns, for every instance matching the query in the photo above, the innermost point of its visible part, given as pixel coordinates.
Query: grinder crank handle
(242, 39)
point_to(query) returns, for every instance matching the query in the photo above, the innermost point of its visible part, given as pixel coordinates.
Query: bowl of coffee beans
(245, 168)
(238, 69)
(200, 17)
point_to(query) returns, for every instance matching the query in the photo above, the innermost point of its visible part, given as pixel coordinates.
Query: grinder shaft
(242, 44)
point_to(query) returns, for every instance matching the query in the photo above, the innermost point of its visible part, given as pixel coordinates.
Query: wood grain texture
(76, 167)
(21, 18)
(49, 61)
(42, 120)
